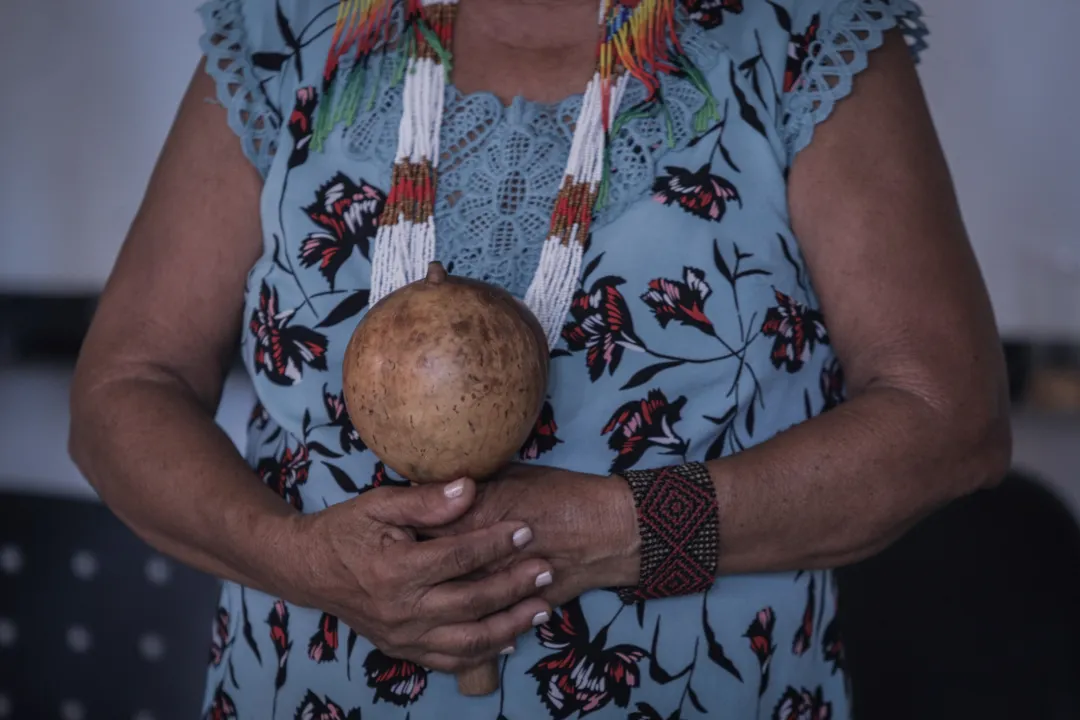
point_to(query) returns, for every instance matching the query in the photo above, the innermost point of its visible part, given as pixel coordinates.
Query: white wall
(83, 118)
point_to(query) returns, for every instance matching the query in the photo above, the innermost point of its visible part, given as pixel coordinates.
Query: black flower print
(542, 439)
(583, 675)
(282, 350)
(323, 644)
(395, 681)
(699, 193)
(338, 416)
(683, 302)
(796, 328)
(221, 639)
(798, 51)
(286, 474)
(710, 13)
(832, 645)
(322, 647)
(805, 632)
(312, 707)
(300, 125)
(760, 635)
(641, 424)
(601, 326)
(349, 216)
(278, 620)
(832, 384)
(802, 705)
(645, 711)
(222, 706)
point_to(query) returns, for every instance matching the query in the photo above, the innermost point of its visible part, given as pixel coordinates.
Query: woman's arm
(151, 370)
(927, 419)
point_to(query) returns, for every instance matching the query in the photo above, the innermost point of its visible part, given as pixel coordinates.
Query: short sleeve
(829, 44)
(246, 56)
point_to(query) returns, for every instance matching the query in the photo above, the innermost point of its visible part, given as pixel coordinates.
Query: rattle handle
(480, 680)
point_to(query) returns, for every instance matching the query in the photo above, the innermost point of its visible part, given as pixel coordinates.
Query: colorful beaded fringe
(636, 40)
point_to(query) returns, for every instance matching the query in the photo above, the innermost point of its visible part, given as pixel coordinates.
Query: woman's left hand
(584, 525)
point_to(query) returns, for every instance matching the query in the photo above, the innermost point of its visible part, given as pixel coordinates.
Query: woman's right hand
(413, 599)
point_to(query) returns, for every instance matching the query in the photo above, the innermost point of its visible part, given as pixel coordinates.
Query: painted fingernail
(507, 650)
(522, 537)
(454, 489)
(543, 579)
(540, 618)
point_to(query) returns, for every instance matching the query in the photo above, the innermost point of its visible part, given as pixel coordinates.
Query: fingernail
(522, 537)
(507, 650)
(454, 489)
(543, 579)
(540, 618)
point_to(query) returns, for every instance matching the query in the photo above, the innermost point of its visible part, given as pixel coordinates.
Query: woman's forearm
(155, 455)
(842, 486)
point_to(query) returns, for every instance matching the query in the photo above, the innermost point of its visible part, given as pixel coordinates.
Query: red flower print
(805, 633)
(832, 384)
(221, 640)
(699, 193)
(349, 216)
(832, 645)
(761, 643)
(796, 329)
(338, 415)
(798, 51)
(582, 676)
(683, 302)
(281, 350)
(323, 644)
(601, 326)
(803, 705)
(300, 125)
(396, 681)
(542, 439)
(641, 424)
(285, 475)
(710, 13)
(278, 621)
(312, 707)
(222, 706)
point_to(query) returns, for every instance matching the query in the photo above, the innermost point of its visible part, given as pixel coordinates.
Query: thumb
(428, 505)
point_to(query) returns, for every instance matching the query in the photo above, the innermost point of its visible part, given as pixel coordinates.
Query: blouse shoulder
(828, 44)
(254, 51)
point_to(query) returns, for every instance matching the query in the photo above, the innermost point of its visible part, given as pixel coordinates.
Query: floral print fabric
(695, 334)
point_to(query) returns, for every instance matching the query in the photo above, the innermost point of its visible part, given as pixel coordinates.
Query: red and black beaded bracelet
(679, 526)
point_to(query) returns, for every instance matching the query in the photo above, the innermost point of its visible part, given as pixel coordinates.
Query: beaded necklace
(637, 39)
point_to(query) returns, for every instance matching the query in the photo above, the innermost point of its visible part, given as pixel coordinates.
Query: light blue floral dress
(695, 334)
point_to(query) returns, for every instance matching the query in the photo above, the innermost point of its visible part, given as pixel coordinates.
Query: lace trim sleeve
(853, 30)
(229, 62)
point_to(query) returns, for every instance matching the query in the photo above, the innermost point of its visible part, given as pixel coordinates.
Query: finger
(426, 505)
(469, 600)
(489, 636)
(441, 559)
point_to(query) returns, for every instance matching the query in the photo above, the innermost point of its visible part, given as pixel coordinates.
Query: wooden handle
(480, 680)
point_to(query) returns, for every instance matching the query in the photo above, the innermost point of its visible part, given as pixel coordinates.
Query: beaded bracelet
(680, 526)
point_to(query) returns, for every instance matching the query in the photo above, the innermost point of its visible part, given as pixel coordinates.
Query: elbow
(980, 434)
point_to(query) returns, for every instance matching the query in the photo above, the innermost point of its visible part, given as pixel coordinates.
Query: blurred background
(991, 629)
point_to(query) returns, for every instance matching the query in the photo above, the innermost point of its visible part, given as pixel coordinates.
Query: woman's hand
(410, 598)
(584, 525)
